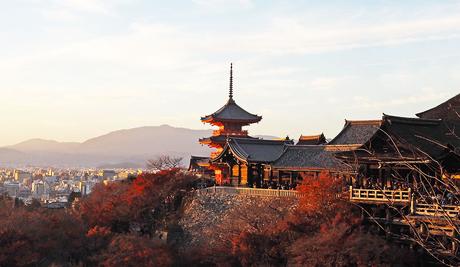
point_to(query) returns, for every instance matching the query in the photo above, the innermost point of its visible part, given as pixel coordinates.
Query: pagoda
(230, 119)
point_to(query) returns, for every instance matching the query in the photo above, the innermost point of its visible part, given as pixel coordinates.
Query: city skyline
(76, 69)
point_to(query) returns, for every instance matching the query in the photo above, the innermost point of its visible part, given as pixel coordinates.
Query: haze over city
(76, 69)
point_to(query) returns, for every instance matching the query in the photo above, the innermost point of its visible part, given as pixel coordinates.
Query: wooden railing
(441, 230)
(251, 191)
(380, 195)
(436, 210)
(230, 133)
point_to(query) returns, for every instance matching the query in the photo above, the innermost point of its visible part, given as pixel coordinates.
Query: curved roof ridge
(232, 111)
(356, 132)
(408, 120)
(454, 98)
(310, 137)
(259, 140)
(237, 149)
(363, 122)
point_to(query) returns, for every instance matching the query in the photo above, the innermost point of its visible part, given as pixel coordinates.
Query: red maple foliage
(116, 205)
(319, 195)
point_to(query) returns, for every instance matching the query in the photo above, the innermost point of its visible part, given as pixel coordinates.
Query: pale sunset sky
(74, 69)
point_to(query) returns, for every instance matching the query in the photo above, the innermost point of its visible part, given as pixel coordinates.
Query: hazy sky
(75, 69)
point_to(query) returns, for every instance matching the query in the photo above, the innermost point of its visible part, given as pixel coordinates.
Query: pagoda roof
(448, 110)
(220, 139)
(312, 139)
(254, 150)
(356, 132)
(309, 157)
(231, 112)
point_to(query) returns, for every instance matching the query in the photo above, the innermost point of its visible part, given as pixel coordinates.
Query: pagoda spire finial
(231, 81)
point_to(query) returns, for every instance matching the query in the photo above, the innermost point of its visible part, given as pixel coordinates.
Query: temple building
(300, 162)
(356, 132)
(401, 149)
(312, 140)
(230, 119)
(247, 161)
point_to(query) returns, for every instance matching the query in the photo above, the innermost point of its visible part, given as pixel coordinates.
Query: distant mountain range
(118, 149)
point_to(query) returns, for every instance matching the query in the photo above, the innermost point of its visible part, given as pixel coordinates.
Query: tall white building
(85, 187)
(38, 189)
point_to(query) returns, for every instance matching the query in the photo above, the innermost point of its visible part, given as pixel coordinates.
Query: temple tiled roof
(195, 161)
(312, 139)
(424, 136)
(254, 150)
(416, 139)
(356, 132)
(315, 157)
(232, 112)
(449, 110)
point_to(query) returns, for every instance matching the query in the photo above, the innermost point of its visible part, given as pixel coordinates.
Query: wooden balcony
(441, 230)
(229, 133)
(380, 195)
(436, 210)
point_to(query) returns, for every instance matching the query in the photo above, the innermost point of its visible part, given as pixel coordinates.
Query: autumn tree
(144, 201)
(40, 237)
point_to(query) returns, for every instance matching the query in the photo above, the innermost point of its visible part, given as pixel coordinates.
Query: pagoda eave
(211, 143)
(215, 121)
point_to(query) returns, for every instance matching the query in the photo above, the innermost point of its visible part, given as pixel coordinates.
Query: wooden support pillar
(239, 173)
(258, 176)
(250, 180)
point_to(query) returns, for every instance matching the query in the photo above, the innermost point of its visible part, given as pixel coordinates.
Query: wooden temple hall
(365, 154)
(404, 172)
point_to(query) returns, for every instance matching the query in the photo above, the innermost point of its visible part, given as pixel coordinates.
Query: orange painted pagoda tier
(230, 119)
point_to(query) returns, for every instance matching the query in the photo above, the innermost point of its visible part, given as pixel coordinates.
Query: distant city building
(38, 189)
(51, 179)
(108, 174)
(20, 176)
(12, 188)
(85, 187)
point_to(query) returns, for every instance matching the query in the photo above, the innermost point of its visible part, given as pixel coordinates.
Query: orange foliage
(320, 195)
(117, 204)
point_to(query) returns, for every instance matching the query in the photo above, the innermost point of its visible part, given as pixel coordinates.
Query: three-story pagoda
(230, 119)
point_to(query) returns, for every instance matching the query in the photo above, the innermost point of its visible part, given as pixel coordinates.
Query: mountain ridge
(130, 147)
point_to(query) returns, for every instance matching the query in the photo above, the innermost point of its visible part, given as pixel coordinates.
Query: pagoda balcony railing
(229, 133)
(436, 210)
(380, 195)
